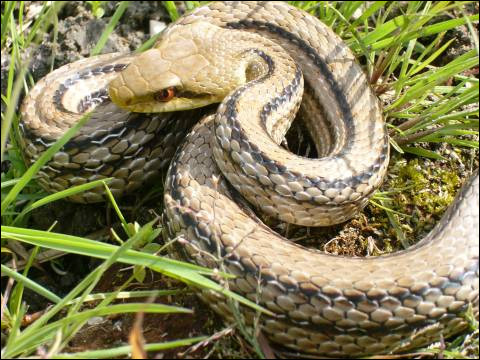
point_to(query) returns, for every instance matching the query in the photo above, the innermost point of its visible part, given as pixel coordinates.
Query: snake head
(186, 69)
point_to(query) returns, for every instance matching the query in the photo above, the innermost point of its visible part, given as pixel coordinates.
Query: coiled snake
(256, 59)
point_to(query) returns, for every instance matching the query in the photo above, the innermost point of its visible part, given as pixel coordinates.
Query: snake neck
(266, 72)
(201, 64)
(58, 102)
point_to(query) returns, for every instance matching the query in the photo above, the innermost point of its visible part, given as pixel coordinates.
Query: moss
(431, 188)
(422, 190)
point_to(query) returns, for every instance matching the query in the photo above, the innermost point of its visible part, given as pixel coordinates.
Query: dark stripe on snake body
(92, 99)
(231, 113)
(341, 100)
(63, 88)
(312, 299)
(285, 96)
(317, 60)
(208, 239)
(231, 259)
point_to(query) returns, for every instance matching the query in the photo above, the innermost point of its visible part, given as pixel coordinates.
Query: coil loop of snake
(257, 59)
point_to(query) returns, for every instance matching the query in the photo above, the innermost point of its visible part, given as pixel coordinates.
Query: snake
(262, 62)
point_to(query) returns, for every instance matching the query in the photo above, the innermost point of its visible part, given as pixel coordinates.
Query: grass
(427, 101)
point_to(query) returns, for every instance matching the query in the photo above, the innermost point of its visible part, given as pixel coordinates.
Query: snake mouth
(180, 102)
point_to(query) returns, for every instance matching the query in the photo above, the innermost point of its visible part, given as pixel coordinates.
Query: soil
(107, 332)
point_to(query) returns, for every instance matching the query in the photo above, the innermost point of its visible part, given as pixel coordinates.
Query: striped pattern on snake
(256, 59)
(325, 305)
(132, 148)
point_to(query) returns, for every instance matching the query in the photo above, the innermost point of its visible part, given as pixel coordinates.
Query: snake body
(256, 59)
(131, 148)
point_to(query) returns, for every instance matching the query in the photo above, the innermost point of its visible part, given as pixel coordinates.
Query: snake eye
(165, 94)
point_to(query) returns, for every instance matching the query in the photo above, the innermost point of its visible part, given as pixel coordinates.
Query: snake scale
(263, 62)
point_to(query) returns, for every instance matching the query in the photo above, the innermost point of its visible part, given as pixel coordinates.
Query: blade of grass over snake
(42, 160)
(61, 195)
(188, 273)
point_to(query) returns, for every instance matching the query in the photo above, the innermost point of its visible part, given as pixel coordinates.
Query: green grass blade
(128, 295)
(171, 9)
(42, 160)
(30, 284)
(17, 293)
(422, 152)
(9, 183)
(61, 195)
(446, 25)
(6, 19)
(92, 248)
(43, 20)
(427, 81)
(118, 211)
(188, 273)
(422, 32)
(372, 9)
(190, 5)
(126, 350)
(430, 59)
(11, 101)
(108, 30)
(48, 331)
(384, 30)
